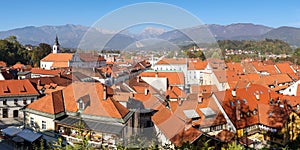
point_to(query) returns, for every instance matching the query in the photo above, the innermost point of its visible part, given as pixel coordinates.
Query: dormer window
(254, 112)
(83, 102)
(80, 105)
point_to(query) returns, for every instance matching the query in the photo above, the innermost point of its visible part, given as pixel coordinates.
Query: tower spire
(55, 48)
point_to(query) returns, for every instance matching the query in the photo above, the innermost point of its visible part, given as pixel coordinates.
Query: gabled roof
(58, 57)
(186, 135)
(197, 64)
(58, 80)
(45, 72)
(220, 75)
(51, 104)
(274, 79)
(175, 92)
(107, 108)
(236, 67)
(253, 98)
(284, 68)
(16, 88)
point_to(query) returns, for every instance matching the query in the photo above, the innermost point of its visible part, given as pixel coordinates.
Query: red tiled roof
(52, 103)
(236, 67)
(45, 72)
(274, 79)
(175, 93)
(197, 64)
(221, 75)
(189, 135)
(107, 108)
(19, 66)
(284, 68)
(2, 64)
(59, 57)
(246, 101)
(225, 136)
(17, 87)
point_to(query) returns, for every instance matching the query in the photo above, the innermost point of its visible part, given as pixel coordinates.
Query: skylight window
(231, 103)
(191, 114)
(208, 112)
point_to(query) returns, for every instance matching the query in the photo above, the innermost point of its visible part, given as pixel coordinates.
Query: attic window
(238, 102)
(254, 112)
(80, 105)
(5, 89)
(245, 101)
(83, 102)
(22, 89)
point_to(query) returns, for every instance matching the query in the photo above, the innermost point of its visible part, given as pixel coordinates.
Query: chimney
(59, 74)
(169, 88)
(39, 82)
(146, 91)
(156, 74)
(233, 92)
(104, 93)
(138, 79)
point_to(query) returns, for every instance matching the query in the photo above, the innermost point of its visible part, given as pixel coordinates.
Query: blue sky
(21, 13)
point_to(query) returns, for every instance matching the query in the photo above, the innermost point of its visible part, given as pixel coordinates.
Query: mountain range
(71, 35)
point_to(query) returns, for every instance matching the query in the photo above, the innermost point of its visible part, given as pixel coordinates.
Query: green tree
(234, 146)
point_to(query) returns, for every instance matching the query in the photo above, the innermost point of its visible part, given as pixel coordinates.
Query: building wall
(159, 83)
(292, 90)
(46, 65)
(50, 125)
(222, 86)
(11, 105)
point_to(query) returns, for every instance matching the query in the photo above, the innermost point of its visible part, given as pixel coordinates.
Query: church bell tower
(55, 48)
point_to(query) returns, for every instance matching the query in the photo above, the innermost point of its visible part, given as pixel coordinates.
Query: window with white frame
(44, 125)
(31, 121)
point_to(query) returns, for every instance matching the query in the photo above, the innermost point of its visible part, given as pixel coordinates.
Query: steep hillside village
(106, 100)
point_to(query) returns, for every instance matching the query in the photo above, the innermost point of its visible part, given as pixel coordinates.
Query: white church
(58, 60)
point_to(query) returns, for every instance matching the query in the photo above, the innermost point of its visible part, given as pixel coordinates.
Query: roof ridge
(117, 107)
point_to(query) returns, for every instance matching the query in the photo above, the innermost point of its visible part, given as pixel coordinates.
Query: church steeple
(55, 48)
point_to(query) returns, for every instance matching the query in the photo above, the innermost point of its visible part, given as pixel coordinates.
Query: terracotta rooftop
(17, 87)
(197, 64)
(94, 92)
(254, 98)
(58, 57)
(45, 72)
(284, 68)
(236, 67)
(51, 104)
(186, 135)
